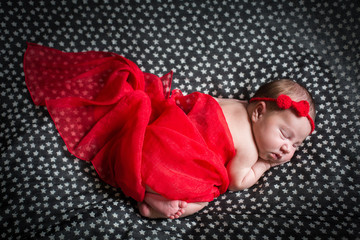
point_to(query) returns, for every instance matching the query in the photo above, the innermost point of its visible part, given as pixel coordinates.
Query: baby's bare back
(236, 115)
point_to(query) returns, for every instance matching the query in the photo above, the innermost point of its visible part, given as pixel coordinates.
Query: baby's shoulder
(234, 110)
(236, 115)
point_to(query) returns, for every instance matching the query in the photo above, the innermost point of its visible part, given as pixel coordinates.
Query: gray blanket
(223, 48)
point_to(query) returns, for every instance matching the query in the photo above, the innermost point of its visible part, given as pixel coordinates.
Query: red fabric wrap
(124, 121)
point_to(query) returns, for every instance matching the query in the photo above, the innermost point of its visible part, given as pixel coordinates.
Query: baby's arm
(249, 176)
(244, 171)
(246, 168)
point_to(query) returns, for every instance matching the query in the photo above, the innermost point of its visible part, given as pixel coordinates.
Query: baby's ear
(259, 111)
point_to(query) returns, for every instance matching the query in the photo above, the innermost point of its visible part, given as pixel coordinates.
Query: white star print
(220, 48)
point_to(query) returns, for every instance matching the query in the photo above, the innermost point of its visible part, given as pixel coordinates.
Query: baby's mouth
(276, 156)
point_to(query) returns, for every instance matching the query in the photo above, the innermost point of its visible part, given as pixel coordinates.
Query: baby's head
(282, 113)
(286, 87)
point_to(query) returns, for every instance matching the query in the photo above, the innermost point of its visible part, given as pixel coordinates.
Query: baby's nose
(285, 148)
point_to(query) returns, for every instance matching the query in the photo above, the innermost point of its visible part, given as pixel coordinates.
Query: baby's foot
(145, 210)
(163, 207)
(181, 211)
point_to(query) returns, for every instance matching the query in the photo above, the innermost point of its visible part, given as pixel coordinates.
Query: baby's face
(278, 134)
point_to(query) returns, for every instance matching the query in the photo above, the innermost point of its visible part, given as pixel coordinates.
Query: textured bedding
(222, 48)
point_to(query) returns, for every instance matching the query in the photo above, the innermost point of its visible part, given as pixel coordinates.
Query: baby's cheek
(291, 155)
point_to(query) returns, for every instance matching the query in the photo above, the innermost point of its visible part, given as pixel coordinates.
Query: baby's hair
(288, 87)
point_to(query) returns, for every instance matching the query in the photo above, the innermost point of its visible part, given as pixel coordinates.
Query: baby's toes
(182, 204)
(179, 213)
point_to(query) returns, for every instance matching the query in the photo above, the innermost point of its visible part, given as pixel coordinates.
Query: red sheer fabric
(124, 121)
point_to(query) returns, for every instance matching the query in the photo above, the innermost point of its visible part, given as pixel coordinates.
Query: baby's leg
(157, 206)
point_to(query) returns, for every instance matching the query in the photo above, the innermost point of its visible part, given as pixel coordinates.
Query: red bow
(302, 108)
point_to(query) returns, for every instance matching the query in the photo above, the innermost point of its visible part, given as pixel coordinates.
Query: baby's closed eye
(284, 134)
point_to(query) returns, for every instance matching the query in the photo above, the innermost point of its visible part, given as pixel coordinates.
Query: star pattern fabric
(222, 48)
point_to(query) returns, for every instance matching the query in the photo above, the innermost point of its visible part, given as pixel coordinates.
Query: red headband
(284, 102)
